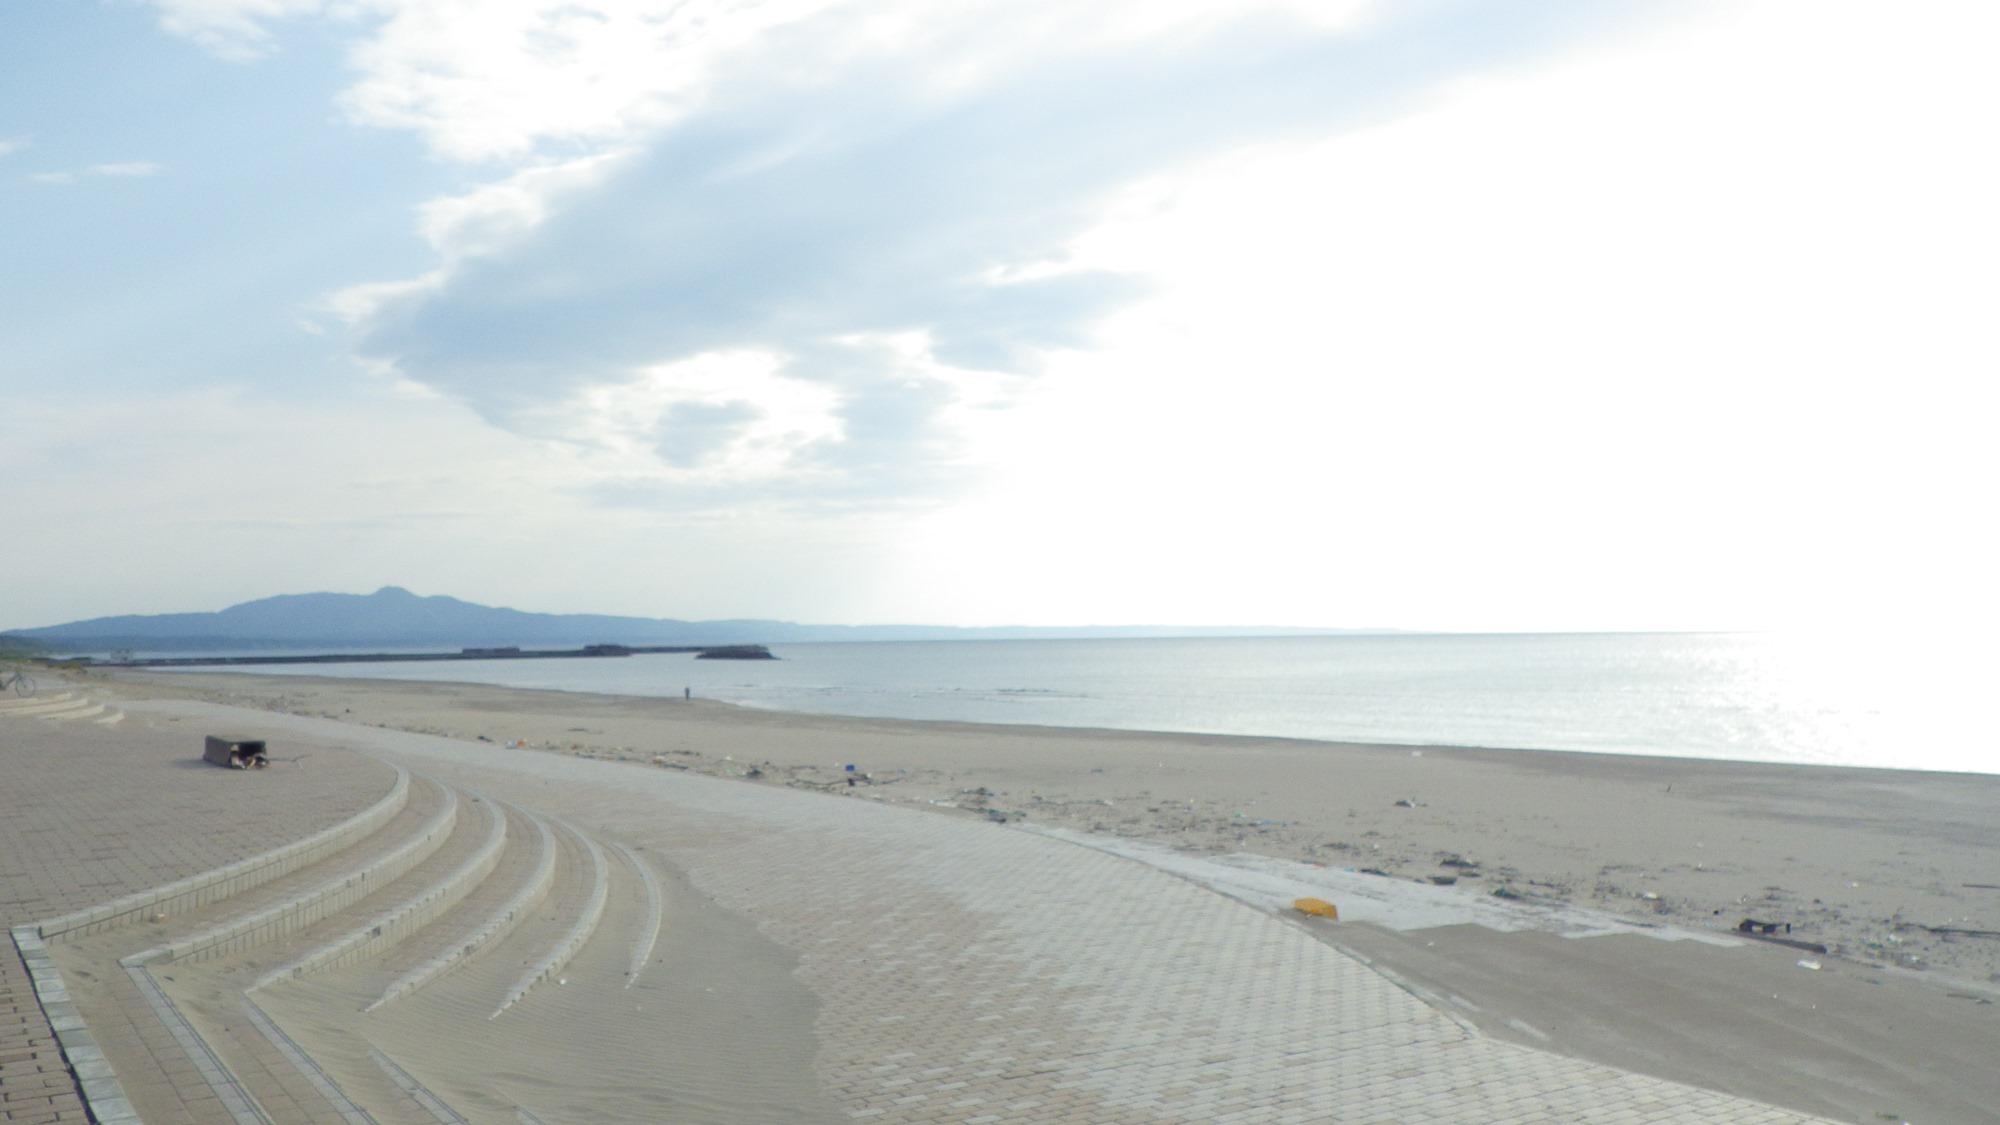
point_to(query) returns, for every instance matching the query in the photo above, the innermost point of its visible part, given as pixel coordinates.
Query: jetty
(709, 652)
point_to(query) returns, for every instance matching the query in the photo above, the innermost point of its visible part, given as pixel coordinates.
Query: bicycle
(21, 682)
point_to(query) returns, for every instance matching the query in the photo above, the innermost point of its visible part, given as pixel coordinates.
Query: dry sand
(1897, 873)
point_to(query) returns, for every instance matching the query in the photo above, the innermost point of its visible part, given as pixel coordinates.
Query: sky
(1427, 314)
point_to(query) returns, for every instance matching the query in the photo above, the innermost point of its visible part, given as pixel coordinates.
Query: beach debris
(1316, 906)
(1769, 931)
(1957, 931)
(1444, 880)
(1507, 892)
(1815, 966)
(1406, 803)
(235, 753)
(1458, 861)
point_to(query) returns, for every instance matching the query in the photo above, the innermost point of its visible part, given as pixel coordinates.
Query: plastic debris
(1316, 906)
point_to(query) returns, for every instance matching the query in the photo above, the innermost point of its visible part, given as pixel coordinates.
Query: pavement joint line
(416, 1091)
(593, 912)
(497, 925)
(314, 903)
(96, 1083)
(242, 1108)
(306, 1065)
(232, 878)
(642, 951)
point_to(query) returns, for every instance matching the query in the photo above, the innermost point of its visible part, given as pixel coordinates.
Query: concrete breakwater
(708, 652)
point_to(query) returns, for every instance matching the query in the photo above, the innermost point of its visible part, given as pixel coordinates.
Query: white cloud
(500, 79)
(1597, 346)
(809, 179)
(718, 419)
(237, 29)
(129, 168)
(1677, 321)
(11, 145)
(52, 177)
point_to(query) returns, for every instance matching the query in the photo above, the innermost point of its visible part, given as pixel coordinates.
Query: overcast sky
(1437, 314)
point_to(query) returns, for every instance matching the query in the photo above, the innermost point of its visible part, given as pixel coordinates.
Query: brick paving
(90, 812)
(965, 972)
(972, 973)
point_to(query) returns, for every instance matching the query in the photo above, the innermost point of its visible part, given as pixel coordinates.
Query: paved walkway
(972, 973)
(90, 812)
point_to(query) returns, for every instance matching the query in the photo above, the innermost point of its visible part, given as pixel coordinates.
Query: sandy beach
(1895, 874)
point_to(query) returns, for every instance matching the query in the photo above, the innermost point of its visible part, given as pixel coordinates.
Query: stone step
(521, 880)
(40, 708)
(327, 888)
(16, 704)
(654, 918)
(583, 923)
(235, 1034)
(399, 910)
(218, 884)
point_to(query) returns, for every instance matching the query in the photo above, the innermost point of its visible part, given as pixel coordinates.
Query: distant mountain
(12, 646)
(393, 618)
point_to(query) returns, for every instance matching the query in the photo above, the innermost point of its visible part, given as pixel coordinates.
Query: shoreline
(1861, 859)
(949, 723)
(1593, 897)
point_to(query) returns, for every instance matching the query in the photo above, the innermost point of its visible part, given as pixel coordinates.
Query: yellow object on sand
(1317, 906)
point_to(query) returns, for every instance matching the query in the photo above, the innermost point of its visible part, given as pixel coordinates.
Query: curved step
(16, 704)
(406, 917)
(325, 899)
(308, 1067)
(416, 1091)
(496, 925)
(236, 1101)
(586, 924)
(61, 707)
(231, 879)
(649, 933)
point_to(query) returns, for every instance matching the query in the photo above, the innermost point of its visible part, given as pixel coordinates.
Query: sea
(1817, 700)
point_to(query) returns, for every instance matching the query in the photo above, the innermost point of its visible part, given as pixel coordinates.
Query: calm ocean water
(1738, 696)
